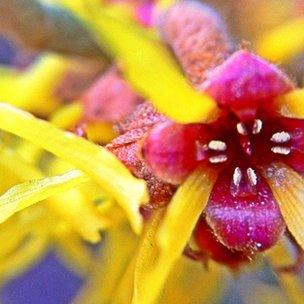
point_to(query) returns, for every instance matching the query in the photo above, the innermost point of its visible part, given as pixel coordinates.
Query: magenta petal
(144, 13)
(246, 223)
(170, 150)
(245, 79)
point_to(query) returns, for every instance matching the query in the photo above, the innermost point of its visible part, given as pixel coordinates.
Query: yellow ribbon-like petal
(148, 65)
(165, 239)
(288, 189)
(96, 161)
(26, 194)
(68, 205)
(284, 42)
(291, 104)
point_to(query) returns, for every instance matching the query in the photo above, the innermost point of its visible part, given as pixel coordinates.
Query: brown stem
(46, 28)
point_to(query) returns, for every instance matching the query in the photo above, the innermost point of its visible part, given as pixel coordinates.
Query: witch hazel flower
(256, 152)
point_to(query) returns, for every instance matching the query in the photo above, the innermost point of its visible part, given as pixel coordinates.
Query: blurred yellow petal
(12, 234)
(291, 104)
(100, 132)
(23, 171)
(163, 83)
(26, 194)
(284, 42)
(96, 161)
(23, 257)
(109, 267)
(81, 214)
(67, 116)
(73, 206)
(288, 189)
(24, 92)
(161, 247)
(75, 253)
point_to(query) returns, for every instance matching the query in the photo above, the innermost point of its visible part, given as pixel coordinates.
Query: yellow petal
(67, 116)
(291, 105)
(288, 189)
(24, 195)
(23, 258)
(149, 67)
(109, 267)
(96, 161)
(284, 42)
(100, 132)
(67, 205)
(34, 89)
(72, 249)
(13, 163)
(80, 213)
(164, 240)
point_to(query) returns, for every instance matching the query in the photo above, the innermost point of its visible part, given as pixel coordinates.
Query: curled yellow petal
(288, 189)
(26, 194)
(149, 67)
(284, 42)
(166, 237)
(96, 161)
(291, 104)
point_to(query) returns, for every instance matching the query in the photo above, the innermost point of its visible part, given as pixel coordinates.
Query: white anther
(253, 179)
(218, 159)
(281, 150)
(257, 126)
(280, 137)
(217, 145)
(237, 176)
(240, 127)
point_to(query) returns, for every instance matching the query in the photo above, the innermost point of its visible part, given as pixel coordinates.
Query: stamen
(217, 145)
(257, 126)
(237, 176)
(252, 177)
(240, 127)
(218, 159)
(280, 137)
(281, 150)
